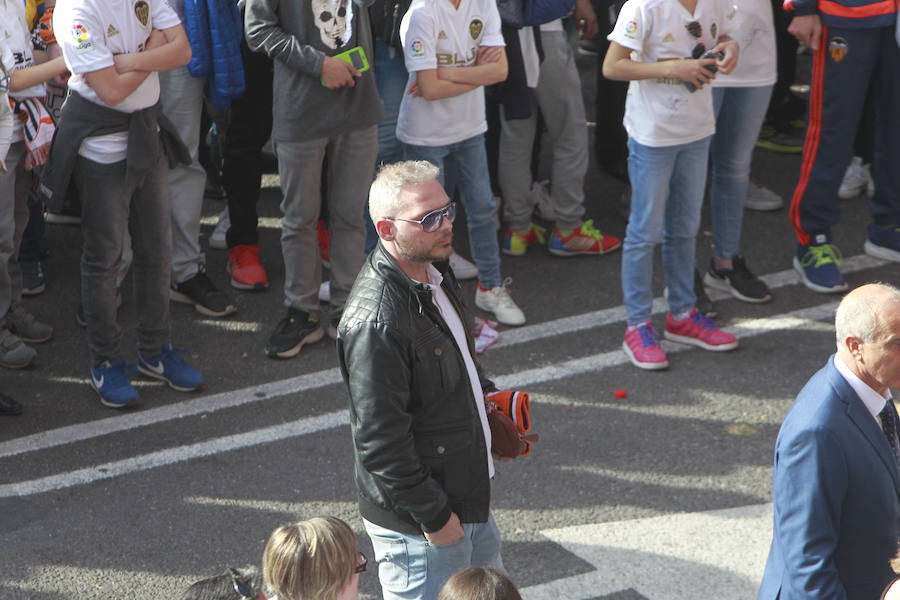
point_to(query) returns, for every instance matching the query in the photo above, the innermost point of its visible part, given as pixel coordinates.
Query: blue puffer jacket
(214, 28)
(852, 14)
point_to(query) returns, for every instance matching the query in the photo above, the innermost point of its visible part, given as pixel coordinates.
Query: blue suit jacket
(837, 498)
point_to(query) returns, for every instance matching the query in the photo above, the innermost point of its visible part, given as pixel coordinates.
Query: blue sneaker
(168, 366)
(110, 379)
(818, 265)
(883, 242)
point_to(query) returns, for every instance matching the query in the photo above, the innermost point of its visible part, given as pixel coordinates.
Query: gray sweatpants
(558, 94)
(351, 162)
(108, 208)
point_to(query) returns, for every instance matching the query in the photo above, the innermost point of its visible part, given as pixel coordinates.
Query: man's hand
(451, 532)
(692, 70)
(807, 29)
(586, 19)
(337, 73)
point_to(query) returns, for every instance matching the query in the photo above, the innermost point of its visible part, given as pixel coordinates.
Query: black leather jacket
(419, 446)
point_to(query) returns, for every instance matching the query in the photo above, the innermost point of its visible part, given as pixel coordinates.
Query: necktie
(890, 427)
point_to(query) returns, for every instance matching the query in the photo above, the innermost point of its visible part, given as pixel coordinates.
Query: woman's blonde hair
(479, 583)
(310, 560)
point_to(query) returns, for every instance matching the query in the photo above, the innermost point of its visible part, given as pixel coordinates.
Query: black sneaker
(206, 298)
(703, 304)
(293, 331)
(739, 281)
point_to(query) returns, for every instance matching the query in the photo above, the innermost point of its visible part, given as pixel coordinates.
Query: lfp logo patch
(417, 48)
(82, 38)
(631, 27)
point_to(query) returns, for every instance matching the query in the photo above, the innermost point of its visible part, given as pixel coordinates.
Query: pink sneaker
(642, 347)
(699, 330)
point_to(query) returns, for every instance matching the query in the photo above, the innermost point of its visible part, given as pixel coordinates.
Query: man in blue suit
(836, 482)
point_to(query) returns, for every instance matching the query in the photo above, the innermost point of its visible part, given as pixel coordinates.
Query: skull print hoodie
(298, 36)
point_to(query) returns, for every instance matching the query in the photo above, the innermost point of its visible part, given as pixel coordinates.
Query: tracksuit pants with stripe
(845, 64)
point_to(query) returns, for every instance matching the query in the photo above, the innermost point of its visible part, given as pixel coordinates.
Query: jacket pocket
(446, 454)
(438, 364)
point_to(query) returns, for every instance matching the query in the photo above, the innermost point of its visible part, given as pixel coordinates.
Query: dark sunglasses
(433, 220)
(241, 585)
(364, 562)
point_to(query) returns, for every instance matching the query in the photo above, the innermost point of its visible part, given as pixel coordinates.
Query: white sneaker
(856, 178)
(325, 292)
(217, 237)
(543, 201)
(462, 268)
(761, 198)
(498, 301)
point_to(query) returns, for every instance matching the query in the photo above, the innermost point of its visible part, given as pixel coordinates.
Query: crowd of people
(340, 87)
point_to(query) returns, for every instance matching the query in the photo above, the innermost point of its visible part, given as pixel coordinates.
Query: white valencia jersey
(662, 112)
(14, 29)
(90, 33)
(752, 26)
(434, 35)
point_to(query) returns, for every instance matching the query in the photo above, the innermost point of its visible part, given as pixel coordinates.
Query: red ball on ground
(620, 393)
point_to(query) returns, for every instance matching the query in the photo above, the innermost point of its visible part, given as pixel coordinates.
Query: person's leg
(248, 131)
(514, 171)
(682, 220)
(486, 543)
(182, 102)
(150, 225)
(410, 568)
(8, 185)
(559, 95)
(390, 79)
(300, 166)
(610, 138)
(739, 115)
(31, 248)
(651, 171)
(21, 188)
(351, 161)
(104, 220)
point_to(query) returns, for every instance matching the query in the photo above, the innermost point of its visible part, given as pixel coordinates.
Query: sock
(681, 316)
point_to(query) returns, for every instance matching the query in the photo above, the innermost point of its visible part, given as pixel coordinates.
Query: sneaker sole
(34, 291)
(513, 252)
(256, 287)
(723, 286)
(814, 286)
(203, 310)
(109, 404)
(514, 323)
(647, 366)
(881, 252)
(153, 375)
(312, 338)
(764, 206)
(692, 341)
(564, 252)
(772, 147)
(8, 365)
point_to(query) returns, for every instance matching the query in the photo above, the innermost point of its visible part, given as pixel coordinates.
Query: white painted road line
(717, 554)
(304, 383)
(589, 364)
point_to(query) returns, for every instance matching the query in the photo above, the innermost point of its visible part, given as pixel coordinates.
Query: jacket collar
(862, 418)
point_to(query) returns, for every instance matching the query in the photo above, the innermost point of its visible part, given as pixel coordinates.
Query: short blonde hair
(310, 560)
(384, 195)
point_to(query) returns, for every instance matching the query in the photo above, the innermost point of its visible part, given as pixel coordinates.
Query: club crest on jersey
(142, 12)
(82, 38)
(838, 48)
(475, 28)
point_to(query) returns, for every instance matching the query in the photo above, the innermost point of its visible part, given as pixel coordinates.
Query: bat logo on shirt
(142, 12)
(475, 28)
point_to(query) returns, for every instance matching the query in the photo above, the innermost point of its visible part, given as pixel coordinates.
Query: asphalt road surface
(664, 494)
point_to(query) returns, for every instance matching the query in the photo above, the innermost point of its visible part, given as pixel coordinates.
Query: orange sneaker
(584, 240)
(247, 273)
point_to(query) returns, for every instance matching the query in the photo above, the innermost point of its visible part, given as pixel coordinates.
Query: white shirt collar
(873, 400)
(434, 277)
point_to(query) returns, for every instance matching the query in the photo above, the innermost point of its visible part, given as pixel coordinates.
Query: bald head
(859, 314)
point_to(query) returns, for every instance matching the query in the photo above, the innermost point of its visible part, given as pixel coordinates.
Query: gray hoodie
(298, 35)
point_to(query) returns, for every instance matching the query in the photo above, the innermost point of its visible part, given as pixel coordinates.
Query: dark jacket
(419, 446)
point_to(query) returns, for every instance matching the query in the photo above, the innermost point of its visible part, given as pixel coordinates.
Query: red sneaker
(643, 349)
(247, 273)
(699, 330)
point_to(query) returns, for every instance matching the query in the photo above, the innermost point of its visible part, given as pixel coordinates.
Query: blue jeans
(668, 186)
(468, 160)
(739, 115)
(390, 79)
(411, 568)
